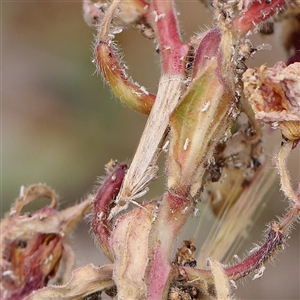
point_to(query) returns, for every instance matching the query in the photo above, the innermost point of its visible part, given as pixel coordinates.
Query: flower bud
(103, 202)
(202, 116)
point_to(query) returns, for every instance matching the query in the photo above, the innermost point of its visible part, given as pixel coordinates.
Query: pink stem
(274, 242)
(172, 215)
(258, 12)
(172, 50)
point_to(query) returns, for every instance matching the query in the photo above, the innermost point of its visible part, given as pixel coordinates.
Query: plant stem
(257, 13)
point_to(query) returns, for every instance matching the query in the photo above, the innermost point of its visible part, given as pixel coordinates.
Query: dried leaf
(32, 245)
(84, 281)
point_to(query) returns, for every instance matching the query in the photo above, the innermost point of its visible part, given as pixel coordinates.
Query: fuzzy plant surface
(206, 120)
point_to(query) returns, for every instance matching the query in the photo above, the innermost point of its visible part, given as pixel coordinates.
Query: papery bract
(129, 243)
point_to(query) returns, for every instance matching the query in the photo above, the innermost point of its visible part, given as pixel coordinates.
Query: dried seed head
(274, 94)
(185, 255)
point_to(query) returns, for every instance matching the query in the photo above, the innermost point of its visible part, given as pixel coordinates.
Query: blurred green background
(61, 124)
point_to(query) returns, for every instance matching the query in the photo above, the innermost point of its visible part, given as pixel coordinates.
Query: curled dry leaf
(274, 94)
(32, 246)
(84, 281)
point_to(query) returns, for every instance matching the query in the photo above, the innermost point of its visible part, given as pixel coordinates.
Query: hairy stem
(172, 50)
(275, 241)
(257, 13)
(171, 217)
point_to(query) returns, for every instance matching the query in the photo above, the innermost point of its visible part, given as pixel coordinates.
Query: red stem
(244, 268)
(258, 12)
(172, 215)
(172, 50)
(275, 240)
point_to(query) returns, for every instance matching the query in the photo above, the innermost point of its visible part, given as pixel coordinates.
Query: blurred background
(61, 124)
